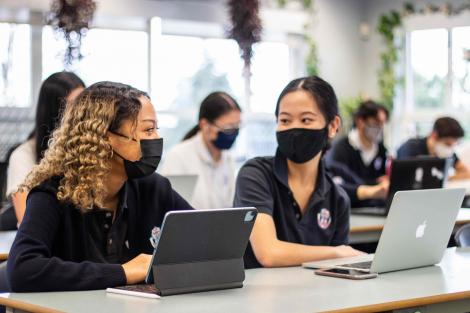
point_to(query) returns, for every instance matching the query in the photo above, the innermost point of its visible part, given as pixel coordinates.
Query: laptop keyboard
(147, 288)
(362, 265)
(370, 210)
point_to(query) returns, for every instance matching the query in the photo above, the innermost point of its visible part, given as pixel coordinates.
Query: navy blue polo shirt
(416, 147)
(350, 182)
(262, 183)
(343, 152)
(59, 248)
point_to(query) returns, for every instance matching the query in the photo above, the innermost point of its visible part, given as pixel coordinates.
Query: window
(15, 58)
(270, 74)
(185, 69)
(429, 60)
(438, 79)
(114, 55)
(461, 67)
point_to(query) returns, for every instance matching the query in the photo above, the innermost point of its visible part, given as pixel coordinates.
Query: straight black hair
(319, 89)
(212, 107)
(52, 97)
(369, 109)
(448, 127)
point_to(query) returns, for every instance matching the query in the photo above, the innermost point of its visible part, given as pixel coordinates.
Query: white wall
(336, 31)
(211, 11)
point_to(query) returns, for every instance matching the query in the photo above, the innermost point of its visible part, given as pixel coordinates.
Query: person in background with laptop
(303, 216)
(362, 155)
(94, 199)
(58, 89)
(204, 152)
(441, 143)
(359, 192)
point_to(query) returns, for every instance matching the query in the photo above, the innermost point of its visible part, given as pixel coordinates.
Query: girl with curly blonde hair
(95, 197)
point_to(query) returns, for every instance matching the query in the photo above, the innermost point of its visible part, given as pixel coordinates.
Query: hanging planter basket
(71, 19)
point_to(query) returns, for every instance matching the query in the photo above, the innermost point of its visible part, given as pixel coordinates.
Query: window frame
(405, 112)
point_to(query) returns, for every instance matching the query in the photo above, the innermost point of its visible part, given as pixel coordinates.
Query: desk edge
(28, 307)
(408, 303)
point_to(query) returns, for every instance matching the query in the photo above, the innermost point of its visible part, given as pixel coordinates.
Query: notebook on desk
(411, 174)
(199, 250)
(415, 234)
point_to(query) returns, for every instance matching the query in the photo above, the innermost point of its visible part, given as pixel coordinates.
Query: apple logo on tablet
(420, 230)
(249, 216)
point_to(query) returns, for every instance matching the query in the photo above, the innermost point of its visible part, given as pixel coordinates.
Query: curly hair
(79, 150)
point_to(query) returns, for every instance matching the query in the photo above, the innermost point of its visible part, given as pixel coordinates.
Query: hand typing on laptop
(347, 251)
(379, 191)
(136, 269)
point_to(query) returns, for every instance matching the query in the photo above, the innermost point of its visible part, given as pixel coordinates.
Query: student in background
(94, 198)
(363, 153)
(360, 193)
(204, 152)
(445, 135)
(302, 216)
(55, 92)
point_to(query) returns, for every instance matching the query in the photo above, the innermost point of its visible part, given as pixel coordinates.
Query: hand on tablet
(137, 268)
(347, 251)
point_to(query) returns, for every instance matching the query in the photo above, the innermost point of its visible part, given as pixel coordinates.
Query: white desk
(443, 288)
(6, 240)
(366, 228)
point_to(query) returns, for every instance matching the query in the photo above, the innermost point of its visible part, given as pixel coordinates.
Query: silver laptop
(416, 233)
(183, 184)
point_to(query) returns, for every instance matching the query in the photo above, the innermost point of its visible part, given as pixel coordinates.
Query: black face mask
(301, 144)
(151, 151)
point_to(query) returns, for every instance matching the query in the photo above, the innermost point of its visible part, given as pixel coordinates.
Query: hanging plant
(71, 19)
(246, 26)
(387, 25)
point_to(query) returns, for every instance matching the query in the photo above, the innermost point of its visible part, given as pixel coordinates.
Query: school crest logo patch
(324, 218)
(378, 163)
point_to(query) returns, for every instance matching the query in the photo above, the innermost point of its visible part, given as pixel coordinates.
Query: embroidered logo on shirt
(338, 180)
(154, 236)
(378, 163)
(324, 218)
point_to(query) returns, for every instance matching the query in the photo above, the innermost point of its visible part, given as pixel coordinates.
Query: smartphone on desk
(345, 273)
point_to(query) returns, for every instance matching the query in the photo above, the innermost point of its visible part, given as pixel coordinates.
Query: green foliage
(307, 4)
(311, 61)
(347, 107)
(386, 27)
(386, 77)
(194, 89)
(429, 93)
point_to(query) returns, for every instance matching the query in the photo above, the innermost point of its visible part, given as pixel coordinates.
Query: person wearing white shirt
(204, 152)
(58, 89)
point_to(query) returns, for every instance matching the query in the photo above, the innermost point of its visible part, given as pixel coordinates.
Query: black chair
(4, 286)
(462, 236)
(8, 219)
